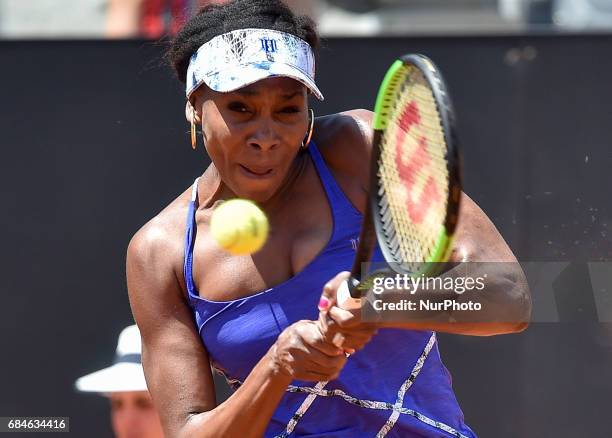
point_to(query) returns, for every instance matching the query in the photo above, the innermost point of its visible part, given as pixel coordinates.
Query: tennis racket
(415, 177)
(415, 183)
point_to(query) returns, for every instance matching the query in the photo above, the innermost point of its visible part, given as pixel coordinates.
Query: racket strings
(413, 174)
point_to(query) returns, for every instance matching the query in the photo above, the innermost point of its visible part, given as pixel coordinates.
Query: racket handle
(345, 300)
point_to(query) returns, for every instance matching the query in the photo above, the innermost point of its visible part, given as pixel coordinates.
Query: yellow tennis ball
(239, 226)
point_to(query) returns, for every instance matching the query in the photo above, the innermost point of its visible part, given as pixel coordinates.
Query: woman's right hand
(301, 352)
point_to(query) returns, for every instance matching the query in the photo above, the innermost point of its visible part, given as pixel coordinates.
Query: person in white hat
(133, 414)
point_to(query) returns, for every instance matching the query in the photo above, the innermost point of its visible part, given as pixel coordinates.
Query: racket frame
(391, 84)
(349, 294)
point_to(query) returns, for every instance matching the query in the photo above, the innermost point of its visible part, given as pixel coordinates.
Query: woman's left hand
(342, 327)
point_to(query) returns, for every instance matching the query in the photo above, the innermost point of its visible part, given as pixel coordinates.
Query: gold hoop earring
(308, 137)
(194, 137)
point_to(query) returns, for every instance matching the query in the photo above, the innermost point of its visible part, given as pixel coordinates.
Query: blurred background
(94, 143)
(155, 18)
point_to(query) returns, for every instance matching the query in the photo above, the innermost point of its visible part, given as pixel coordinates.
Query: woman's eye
(238, 107)
(290, 110)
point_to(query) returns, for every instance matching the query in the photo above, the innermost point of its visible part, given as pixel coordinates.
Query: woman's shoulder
(345, 141)
(346, 129)
(159, 242)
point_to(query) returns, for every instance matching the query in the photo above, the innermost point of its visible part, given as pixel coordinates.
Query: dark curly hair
(214, 20)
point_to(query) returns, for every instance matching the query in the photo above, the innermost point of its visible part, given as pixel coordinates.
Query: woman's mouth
(256, 171)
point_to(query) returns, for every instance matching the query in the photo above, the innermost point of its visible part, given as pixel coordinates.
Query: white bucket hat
(242, 57)
(126, 374)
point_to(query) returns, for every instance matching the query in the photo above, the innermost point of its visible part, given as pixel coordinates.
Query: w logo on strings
(269, 45)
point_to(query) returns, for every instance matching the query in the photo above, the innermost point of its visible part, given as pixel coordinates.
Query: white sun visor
(240, 58)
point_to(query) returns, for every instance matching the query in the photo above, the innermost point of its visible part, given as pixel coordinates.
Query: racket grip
(345, 300)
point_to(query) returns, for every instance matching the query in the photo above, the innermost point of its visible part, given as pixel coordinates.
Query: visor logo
(269, 45)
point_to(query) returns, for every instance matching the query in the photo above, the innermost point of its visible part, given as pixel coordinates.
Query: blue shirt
(396, 386)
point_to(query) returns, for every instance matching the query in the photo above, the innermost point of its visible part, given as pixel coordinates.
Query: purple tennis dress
(396, 386)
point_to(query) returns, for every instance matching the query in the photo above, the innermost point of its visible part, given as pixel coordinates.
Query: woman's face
(253, 134)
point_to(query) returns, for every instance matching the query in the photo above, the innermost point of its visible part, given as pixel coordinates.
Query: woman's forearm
(249, 410)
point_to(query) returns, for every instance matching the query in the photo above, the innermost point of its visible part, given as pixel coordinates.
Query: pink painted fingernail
(323, 303)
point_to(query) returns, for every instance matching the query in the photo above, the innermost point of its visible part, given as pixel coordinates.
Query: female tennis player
(249, 67)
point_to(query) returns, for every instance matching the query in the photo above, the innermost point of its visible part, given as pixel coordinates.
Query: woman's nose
(265, 136)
